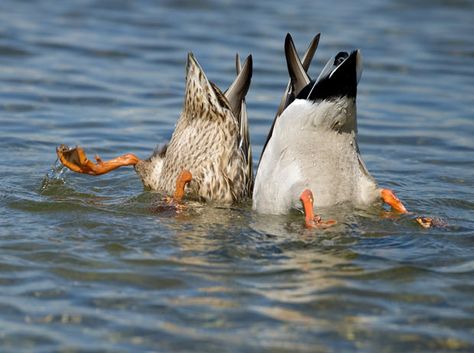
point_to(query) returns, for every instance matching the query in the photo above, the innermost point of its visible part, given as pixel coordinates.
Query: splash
(54, 177)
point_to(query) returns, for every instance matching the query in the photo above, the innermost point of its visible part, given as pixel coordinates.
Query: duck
(311, 157)
(209, 155)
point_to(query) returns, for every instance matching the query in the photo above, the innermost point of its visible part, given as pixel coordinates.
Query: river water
(87, 264)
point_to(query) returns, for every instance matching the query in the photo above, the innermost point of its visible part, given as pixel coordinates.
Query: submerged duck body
(312, 147)
(210, 143)
(305, 152)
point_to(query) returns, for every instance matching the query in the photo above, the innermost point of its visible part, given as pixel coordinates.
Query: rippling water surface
(87, 265)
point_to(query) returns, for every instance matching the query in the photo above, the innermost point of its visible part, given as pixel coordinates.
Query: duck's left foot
(184, 179)
(76, 160)
(389, 197)
(428, 222)
(425, 222)
(312, 220)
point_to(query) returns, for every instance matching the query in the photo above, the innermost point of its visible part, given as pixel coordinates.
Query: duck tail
(298, 76)
(290, 94)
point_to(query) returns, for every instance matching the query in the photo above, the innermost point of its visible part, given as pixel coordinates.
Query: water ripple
(92, 265)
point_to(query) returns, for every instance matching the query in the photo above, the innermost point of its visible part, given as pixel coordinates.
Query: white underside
(301, 155)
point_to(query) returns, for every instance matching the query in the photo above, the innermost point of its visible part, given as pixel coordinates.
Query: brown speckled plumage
(208, 141)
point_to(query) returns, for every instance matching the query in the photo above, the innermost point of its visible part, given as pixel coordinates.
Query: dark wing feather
(289, 95)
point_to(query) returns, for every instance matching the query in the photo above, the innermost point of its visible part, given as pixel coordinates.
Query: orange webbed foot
(425, 222)
(76, 160)
(312, 220)
(428, 222)
(389, 197)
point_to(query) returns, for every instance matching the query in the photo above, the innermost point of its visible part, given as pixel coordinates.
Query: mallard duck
(312, 146)
(209, 155)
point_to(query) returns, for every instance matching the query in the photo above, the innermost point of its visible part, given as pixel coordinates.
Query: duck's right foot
(312, 220)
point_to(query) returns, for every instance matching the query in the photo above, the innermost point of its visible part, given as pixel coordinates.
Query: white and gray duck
(311, 154)
(209, 155)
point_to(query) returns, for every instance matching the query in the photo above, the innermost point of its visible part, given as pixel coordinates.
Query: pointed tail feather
(239, 88)
(200, 93)
(301, 69)
(298, 75)
(289, 95)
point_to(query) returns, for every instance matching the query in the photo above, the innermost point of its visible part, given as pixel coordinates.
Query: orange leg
(312, 220)
(389, 197)
(76, 160)
(183, 179)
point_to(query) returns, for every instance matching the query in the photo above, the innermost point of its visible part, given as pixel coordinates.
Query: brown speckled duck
(209, 156)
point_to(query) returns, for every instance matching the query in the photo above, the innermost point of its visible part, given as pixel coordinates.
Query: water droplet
(54, 176)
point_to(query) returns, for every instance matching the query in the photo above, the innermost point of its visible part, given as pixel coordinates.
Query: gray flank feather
(244, 142)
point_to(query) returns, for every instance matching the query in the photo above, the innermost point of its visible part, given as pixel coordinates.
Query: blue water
(88, 265)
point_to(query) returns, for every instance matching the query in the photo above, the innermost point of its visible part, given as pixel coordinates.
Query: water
(88, 265)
